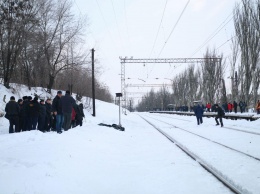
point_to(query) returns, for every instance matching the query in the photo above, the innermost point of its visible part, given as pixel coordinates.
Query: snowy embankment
(97, 160)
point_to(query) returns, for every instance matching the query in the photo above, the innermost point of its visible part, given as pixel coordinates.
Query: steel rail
(227, 182)
(207, 139)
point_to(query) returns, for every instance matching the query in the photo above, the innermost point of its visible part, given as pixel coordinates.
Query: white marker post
(119, 95)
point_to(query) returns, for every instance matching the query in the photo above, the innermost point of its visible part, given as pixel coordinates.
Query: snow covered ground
(96, 159)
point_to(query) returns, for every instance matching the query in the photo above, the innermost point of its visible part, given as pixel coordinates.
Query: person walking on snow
(199, 113)
(220, 115)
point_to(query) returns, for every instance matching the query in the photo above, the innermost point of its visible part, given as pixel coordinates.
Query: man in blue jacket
(199, 113)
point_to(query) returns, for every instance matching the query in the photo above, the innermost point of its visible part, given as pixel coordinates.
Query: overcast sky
(130, 27)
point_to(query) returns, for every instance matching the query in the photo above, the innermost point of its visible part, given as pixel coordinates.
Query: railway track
(230, 128)
(222, 178)
(228, 147)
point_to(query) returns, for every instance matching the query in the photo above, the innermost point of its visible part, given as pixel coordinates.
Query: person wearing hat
(67, 103)
(220, 114)
(42, 116)
(33, 111)
(199, 114)
(57, 111)
(21, 118)
(49, 115)
(24, 113)
(12, 111)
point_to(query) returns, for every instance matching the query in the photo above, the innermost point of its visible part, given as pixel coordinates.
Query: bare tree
(212, 72)
(246, 20)
(59, 28)
(16, 18)
(233, 59)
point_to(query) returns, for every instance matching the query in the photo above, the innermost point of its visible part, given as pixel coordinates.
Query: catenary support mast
(162, 60)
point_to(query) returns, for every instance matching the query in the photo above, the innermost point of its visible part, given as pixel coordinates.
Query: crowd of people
(31, 113)
(226, 107)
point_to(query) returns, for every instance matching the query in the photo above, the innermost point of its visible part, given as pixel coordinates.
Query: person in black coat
(33, 111)
(12, 113)
(79, 114)
(25, 114)
(199, 113)
(235, 106)
(67, 102)
(42, 116)
(57, 112)
(49, 115)
(220, 115)
(21, 115)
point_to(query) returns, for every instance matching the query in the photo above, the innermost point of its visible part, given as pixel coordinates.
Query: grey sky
(129, 28)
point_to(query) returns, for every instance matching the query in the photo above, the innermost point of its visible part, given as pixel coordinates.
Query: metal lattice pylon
(162, 60)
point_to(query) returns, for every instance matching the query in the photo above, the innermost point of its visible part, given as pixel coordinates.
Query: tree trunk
(51, 83)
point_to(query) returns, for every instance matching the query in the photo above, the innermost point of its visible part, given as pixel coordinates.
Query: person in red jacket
(208, 106)
(230, 107)
(73, 118)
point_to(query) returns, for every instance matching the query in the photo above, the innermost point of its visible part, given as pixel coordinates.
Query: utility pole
(93, 84)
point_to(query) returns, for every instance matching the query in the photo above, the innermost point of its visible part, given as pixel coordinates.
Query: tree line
(207, 81)
(42, 45)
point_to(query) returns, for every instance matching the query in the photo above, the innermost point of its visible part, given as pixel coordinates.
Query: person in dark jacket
(235, 106)
(199, 113)
(57, 111)
(28, 116)
(33, 111)
(49, 114)
(67, 102)
(79, 114)
(220, 115)
(241, 106)
(24, 113)
(12, 111)
(42, 116)
(21, 115)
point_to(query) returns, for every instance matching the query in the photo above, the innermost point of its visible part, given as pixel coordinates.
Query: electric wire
(104, 20)
(213, 35)
(159, 28)
(127, 28)
(117, 25)
(171, 33)
(174, 27)
(218, 29)
(225, 42)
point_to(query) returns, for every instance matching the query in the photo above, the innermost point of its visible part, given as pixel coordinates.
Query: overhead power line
(213, 35)
(117, 25)
(218, 29)
(225, 42)
(159, 28)
(174, 27)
